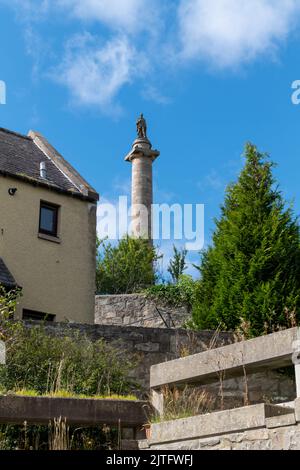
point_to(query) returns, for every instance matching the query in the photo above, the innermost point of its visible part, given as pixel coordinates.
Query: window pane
(39, 316)
(48, 219)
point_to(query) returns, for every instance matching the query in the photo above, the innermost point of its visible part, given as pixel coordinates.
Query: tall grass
(59, 435)
(184, 403)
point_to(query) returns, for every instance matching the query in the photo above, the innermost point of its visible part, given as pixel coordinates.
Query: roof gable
(21, 156)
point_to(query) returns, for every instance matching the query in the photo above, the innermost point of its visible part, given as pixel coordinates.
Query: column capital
(142, 148)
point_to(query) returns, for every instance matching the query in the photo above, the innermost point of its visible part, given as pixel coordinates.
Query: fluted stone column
(142, 157)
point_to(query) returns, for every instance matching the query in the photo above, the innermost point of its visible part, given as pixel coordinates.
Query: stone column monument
(142, 157)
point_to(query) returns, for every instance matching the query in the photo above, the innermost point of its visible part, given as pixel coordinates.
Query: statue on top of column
(141, 127)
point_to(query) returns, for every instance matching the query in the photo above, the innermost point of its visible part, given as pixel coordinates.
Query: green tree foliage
(251, 274)
(177, 264)
(175, 295)
(126, 268)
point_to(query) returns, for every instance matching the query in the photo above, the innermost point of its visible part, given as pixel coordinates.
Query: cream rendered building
(47, 230)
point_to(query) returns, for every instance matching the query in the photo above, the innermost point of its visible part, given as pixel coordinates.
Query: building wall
(136, 310)
(56, 278)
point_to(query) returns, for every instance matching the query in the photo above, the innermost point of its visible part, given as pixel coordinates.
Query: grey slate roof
(6, 278)
(20, 157)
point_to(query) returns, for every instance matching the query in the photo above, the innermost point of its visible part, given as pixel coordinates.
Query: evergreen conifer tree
(251, 273)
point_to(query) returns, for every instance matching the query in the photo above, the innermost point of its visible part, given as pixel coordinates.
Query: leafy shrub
(126, 268)
(175, 295)
(44, 363)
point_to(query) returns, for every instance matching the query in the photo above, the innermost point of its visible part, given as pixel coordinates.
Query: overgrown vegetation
(184, 403)
(73, 363)
(58, 436)
(38, 363)
(128, 267)
(65, 394)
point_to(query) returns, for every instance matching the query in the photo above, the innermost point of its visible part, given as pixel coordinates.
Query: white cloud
(223, 33)
(28, 10)
(214, 181)
(227, 33)
(129, 14)
(94, 72)
(151, 93)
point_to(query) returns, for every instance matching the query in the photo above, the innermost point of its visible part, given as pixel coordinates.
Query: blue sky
(209, 75)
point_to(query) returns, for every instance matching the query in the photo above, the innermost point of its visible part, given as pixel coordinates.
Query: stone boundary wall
(258, 427)
(149, 346)
(136, 310)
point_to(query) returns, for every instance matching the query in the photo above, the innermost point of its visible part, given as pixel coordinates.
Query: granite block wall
(137, 310)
